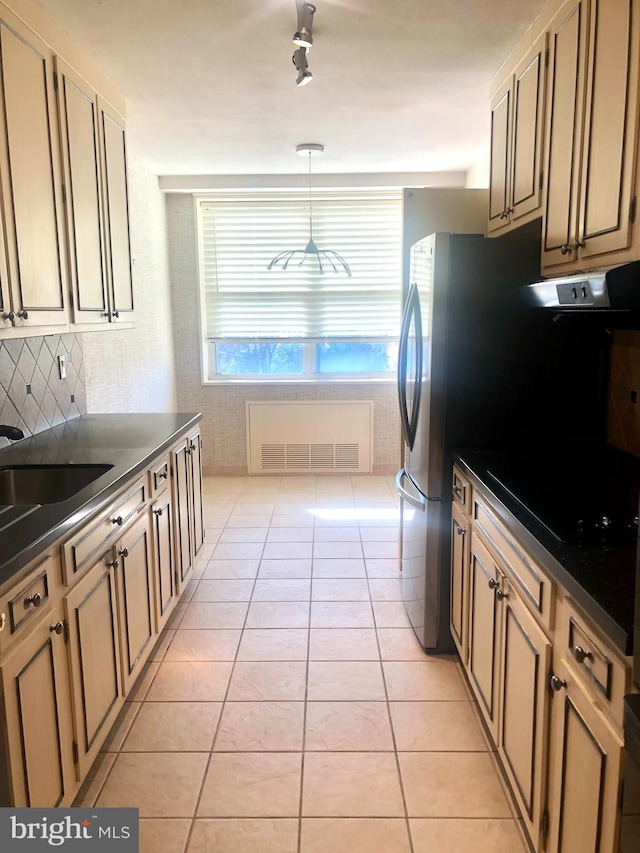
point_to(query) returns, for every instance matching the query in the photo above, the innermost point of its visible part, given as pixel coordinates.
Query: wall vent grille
(289, 438)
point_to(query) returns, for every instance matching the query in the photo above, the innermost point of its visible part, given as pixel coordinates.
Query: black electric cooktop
(582, 498)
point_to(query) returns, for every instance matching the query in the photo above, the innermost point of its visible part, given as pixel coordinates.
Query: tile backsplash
(32, 395)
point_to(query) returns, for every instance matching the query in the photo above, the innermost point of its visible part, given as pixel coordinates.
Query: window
(300, 323)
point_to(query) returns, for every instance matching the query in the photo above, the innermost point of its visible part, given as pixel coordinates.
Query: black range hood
(614, 292)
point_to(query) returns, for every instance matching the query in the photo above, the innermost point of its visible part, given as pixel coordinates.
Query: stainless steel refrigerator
(465, 349)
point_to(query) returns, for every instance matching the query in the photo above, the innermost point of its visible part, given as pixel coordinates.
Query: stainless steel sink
(23, 485)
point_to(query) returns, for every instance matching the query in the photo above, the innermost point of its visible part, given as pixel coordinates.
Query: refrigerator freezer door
(420, 555)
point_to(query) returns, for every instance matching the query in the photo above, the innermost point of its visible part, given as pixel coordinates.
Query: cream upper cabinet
(517, 112)
(34, 286)
(591, 135)
(116, 212)
(81, 159)
(97, 213)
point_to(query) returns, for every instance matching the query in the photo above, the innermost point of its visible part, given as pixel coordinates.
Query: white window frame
(308, 374)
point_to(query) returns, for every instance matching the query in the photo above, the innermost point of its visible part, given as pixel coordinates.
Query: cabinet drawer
(461, 490)
(536, 588)
(79, 552)
(605, 676)
(159, 476)
(24, 601)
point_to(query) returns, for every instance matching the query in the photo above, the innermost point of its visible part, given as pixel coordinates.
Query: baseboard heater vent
(297, 437)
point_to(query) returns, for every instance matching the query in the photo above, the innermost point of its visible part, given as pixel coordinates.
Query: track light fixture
(299, 59)
(303, 36)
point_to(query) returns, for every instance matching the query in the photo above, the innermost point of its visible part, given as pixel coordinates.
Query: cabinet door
(195, 466)
(499, 178)
(30, 170)
(584, 772)
(94, 655)
(39, 731)
(116, 211)
(611, 127)
(164, 571)
(528, 119)
(460, 582)
(182, 497)
(135, 598)
(79, 133)
(526, 660)
(566, 91)
(484, 633)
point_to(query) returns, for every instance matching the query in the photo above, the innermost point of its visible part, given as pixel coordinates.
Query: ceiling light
(299, 256)
(299, 59)
(303, 36)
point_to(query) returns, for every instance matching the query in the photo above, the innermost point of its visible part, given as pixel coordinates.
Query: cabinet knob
(578, 244)
(565, 249)
(117, 520)
(163, 475)
(123, 552)
(9, 315)
(115, 314)
(556, 683)
(500, 594)
(106, 314)
(35, 599)
(493, 583)
(23, 314)
(193, 446)
(57, 628)
(581, 654)
(111, 564)
(157, 511)
(459, 529)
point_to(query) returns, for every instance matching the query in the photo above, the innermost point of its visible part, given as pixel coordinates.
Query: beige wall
(132, 370)
(223, 406)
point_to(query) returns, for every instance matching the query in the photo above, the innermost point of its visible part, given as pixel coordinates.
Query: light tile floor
(288, 708)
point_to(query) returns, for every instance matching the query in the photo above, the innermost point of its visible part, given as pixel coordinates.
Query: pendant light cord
(310, 218)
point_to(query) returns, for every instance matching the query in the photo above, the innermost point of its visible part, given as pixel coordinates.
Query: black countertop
(128, 443)
(600, 577)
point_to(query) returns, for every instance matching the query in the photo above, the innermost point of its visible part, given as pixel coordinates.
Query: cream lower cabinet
(584, 771)
(164, 563)
(548, 685)
(186, 472)
(94, 655)
(460, 535)
(39, 730)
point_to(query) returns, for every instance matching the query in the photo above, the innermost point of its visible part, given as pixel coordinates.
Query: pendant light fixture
(297, 257)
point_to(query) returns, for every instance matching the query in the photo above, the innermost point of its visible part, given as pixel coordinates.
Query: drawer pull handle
(3, 621)
(500, 594)
(157, 511)
(117, 520)
(57, 628)
(557, 683)
(35, 599)
(581, 654)
(493, 583)
(124, 552)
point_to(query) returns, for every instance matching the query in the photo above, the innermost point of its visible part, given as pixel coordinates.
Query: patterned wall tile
(32, 395)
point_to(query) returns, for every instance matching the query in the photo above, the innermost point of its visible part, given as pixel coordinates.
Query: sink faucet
(12, 433)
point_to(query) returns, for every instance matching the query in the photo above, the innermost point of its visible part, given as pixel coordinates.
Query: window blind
(241, 234)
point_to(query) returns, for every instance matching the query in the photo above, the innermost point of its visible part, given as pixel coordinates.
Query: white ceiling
(399, 85)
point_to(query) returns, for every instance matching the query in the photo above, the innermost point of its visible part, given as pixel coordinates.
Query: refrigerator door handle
(419, 501)
(410, 419)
